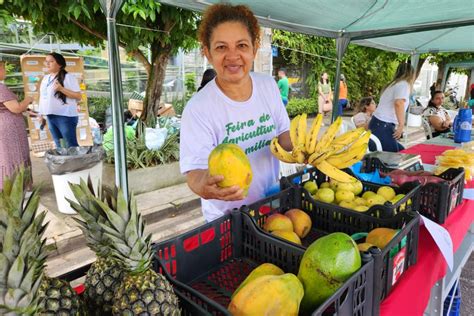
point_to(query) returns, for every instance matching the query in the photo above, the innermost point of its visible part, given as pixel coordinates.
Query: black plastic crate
(410, 189)
(370, 164)
(208, 263)
(437, 200)
(396, 257)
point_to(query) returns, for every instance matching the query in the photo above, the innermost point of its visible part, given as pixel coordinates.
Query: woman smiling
(229, 37)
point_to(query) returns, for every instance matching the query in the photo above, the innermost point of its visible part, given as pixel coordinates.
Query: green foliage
(138, 156)
(297, 106)
(190, 83)
(97, 107)
(367, 70)
(162, 29)
(178, 106)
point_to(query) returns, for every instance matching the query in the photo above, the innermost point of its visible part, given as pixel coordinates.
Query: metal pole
(341, 46)
(111, 8)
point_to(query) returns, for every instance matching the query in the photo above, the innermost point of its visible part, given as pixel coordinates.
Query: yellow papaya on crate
(276, 295)
(261, 270)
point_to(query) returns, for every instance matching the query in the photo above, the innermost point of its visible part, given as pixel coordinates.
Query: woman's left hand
(57, 86)
(398, 132)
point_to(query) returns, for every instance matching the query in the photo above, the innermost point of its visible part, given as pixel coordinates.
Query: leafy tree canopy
(150, 26)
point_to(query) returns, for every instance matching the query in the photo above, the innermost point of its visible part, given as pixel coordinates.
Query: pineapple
(58, 298)
(105, 274)
(143, 291)
(23, 286)
(21, 249)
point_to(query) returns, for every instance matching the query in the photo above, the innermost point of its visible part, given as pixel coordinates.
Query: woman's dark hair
(223, 12)
(61, 74)
(207, 76)
(321, 80)
(430, 103)
(364, 103)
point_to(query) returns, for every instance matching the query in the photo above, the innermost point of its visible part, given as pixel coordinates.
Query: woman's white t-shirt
(211, 118)
(386, 108)
(50, 104)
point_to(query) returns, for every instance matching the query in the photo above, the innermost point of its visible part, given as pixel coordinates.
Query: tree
(155, 27)
(367, 70)
(442, 59)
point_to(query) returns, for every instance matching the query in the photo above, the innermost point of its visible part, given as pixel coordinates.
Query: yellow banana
(334, 173)
(329, 135)
(298, 154)
(317, 157)
(294, 130)
(364, 139)
(279, 152)
(348, 137)
(348, 158)
(302, 125)
(312, 136)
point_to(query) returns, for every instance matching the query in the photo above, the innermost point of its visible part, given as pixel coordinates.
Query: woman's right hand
(206, 187)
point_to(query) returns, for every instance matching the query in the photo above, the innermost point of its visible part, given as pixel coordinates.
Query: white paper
(82, 134)
(43, 135)
(468, 194)
(442, 239)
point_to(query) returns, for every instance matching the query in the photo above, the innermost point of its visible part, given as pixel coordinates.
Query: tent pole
(111, 8)
(445, 78)
(414, 60)
(341, 46)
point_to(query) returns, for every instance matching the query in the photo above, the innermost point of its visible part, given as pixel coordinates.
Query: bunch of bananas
(456, 158)
(330, 153)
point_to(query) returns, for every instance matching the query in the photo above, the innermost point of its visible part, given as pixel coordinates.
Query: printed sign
(398, 265)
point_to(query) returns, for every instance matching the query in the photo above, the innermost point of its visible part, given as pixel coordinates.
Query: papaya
(380, 237)
(230, 161)
(326, 265)
(364, 246)
(287, 235)
(261, 270)
(276, 295)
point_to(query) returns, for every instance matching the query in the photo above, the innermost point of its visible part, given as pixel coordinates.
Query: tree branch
(138, 54)
(93, 32)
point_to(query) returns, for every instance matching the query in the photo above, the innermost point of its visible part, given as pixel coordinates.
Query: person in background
(342, 94)
(365, 109)
(324, 96)
(388, 119)
(207, 76)
(238, 106)
(14, 149)
(471, 100)
(59, 93)
(437, 116)
(432, 89)
(283, 85)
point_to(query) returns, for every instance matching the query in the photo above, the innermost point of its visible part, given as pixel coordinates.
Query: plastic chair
(376, 140)
(353, 123)
(426, 128)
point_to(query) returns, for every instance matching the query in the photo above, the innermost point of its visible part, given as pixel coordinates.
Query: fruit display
(456, 158)
(230, 161)
(105, 274)
(380, 237)
(292, 226)
(352, 196)
(24, 287)
(325, 266)
(141, 290)
(329, 153)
